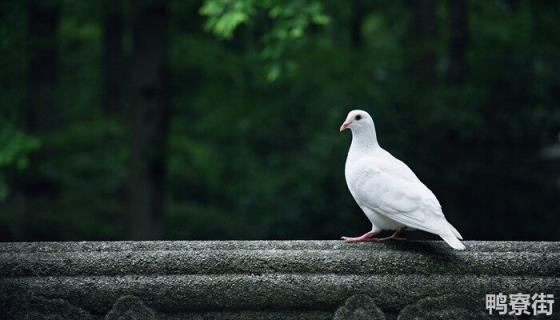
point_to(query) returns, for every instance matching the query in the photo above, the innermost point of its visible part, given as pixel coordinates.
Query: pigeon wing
(403, 199)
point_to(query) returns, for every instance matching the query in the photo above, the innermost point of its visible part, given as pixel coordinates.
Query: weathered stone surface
(452, 306)
(359, 307)
(130, 307)
(268, 279)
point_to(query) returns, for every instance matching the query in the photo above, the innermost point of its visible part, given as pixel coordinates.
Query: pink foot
(394, 236)
(365, 237)
(389, 238)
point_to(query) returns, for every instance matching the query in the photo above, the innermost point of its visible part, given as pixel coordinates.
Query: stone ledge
(268, 279)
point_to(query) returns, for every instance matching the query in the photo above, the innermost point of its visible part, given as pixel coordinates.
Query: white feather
(387, 190)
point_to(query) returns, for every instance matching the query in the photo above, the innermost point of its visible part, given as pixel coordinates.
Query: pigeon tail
(452, 241)
(455, 232)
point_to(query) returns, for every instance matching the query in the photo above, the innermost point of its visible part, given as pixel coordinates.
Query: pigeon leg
(365, 237)
(394, 236)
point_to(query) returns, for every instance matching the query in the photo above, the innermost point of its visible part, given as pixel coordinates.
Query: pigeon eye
(358, 117)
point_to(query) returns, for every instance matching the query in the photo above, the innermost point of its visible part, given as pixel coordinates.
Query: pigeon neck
(364, 138)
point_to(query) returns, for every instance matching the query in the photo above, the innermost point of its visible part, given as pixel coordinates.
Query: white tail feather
(453, 242)
(455, 232)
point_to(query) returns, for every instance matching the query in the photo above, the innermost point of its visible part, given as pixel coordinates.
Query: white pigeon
(388, 192)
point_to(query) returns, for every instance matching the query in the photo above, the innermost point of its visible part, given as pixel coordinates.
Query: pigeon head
(357, 120)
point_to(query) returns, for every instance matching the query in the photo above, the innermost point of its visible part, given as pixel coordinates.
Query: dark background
(219, 119)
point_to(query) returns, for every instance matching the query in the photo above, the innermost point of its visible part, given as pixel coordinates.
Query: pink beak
(344, 126)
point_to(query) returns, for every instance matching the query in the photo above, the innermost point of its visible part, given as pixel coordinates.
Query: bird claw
(389, 238)
(351, 239)
(370, 236)
(366, 237)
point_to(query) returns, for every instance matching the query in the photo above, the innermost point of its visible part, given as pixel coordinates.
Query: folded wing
(399, 195)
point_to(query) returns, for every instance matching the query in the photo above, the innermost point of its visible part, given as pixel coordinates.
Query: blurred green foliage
(258, 92)
(15, 147)
(289, 20)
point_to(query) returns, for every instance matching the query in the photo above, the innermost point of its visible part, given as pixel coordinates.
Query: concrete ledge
(268, 279)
